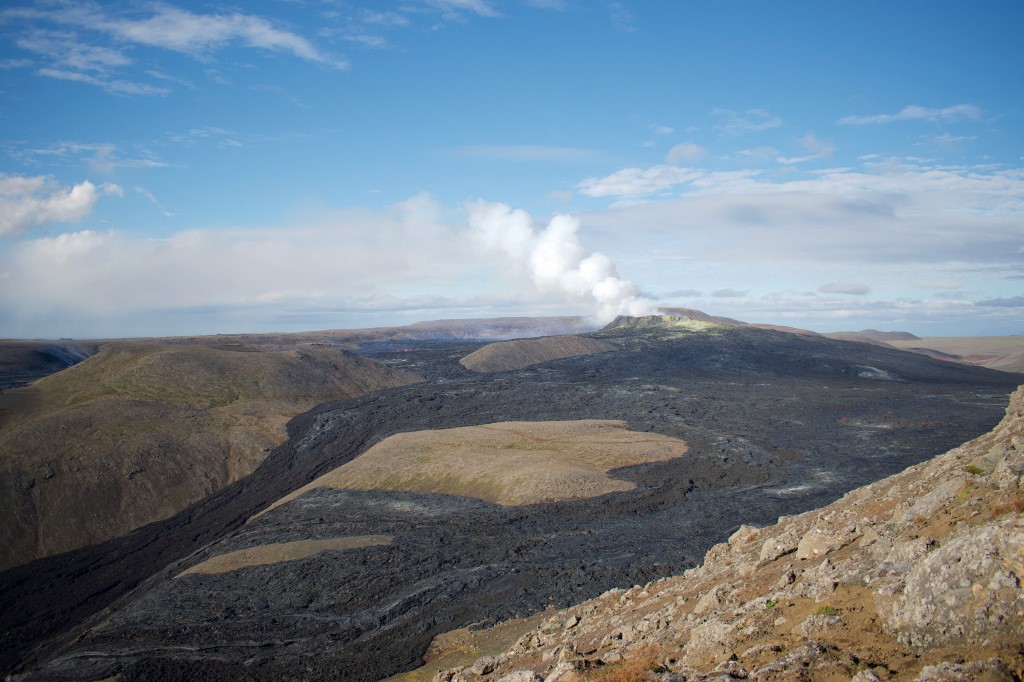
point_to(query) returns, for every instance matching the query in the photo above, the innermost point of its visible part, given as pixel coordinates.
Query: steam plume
(555, 260)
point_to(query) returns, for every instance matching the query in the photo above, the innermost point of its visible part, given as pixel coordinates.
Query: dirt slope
(915, 577)
(508, 355)
(135, 433)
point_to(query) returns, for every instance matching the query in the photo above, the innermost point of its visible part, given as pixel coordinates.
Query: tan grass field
(508, 463)
(277, 552)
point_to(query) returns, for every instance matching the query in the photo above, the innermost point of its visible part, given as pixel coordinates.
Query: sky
(172, 168)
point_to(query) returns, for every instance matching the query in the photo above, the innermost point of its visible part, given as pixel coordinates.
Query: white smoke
(555, 260)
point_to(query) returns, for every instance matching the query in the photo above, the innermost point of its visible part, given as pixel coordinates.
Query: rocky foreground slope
(915, 577)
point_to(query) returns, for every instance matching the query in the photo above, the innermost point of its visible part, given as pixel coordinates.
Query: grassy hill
(506, 355)
(137, 432)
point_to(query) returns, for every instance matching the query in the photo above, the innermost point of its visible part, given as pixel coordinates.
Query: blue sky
(180, 168)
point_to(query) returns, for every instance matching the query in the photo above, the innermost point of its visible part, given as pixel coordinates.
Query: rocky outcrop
(914, 577)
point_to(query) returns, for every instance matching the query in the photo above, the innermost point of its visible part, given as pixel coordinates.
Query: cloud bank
(335, 269)
(898, 245)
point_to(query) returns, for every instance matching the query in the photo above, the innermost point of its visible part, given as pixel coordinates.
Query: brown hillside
(510, 463)
(509, 355)
(873, 337)
(1005, 353)
(914, 577)
(136, 433)
(859, 338)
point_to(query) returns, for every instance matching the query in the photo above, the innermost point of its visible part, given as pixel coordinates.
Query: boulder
(968, 590)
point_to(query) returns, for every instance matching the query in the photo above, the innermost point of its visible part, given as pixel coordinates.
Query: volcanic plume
(555, 260)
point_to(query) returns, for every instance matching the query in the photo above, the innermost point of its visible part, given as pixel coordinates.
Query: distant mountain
(873, 336)
(700, 316)
(889, 336)
(517, 354)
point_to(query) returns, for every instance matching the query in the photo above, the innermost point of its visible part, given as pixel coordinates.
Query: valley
(775, 424)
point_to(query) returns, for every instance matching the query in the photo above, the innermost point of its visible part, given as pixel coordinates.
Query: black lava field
(777, 424)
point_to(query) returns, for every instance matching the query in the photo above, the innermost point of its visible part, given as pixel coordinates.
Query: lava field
(777, 423)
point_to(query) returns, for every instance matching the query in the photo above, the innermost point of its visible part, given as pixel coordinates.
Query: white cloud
(312, 273)
(111, 188)
(105, 159)
(96, 49)
(759, 249)
(560, 196)
(151, 198)
(635, 182)
(662, 130)
(332, 260)
(685, 153)
(621, 18)
(949, 140)
(817, 146)
(112, 85)
(681, 293)
(526, 152)
(880, 237)
(183, 31)
(64, 50)
(845, 288)
(102, 157)
(914, 112)
(391, 19)
(454, 9)
(365, 39)
(29, 201)
(750, 121)
(1011, 302)
(193, 136)
(759, 153)
(9, 64)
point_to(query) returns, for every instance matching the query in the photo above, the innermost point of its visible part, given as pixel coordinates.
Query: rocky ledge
(915, 577)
